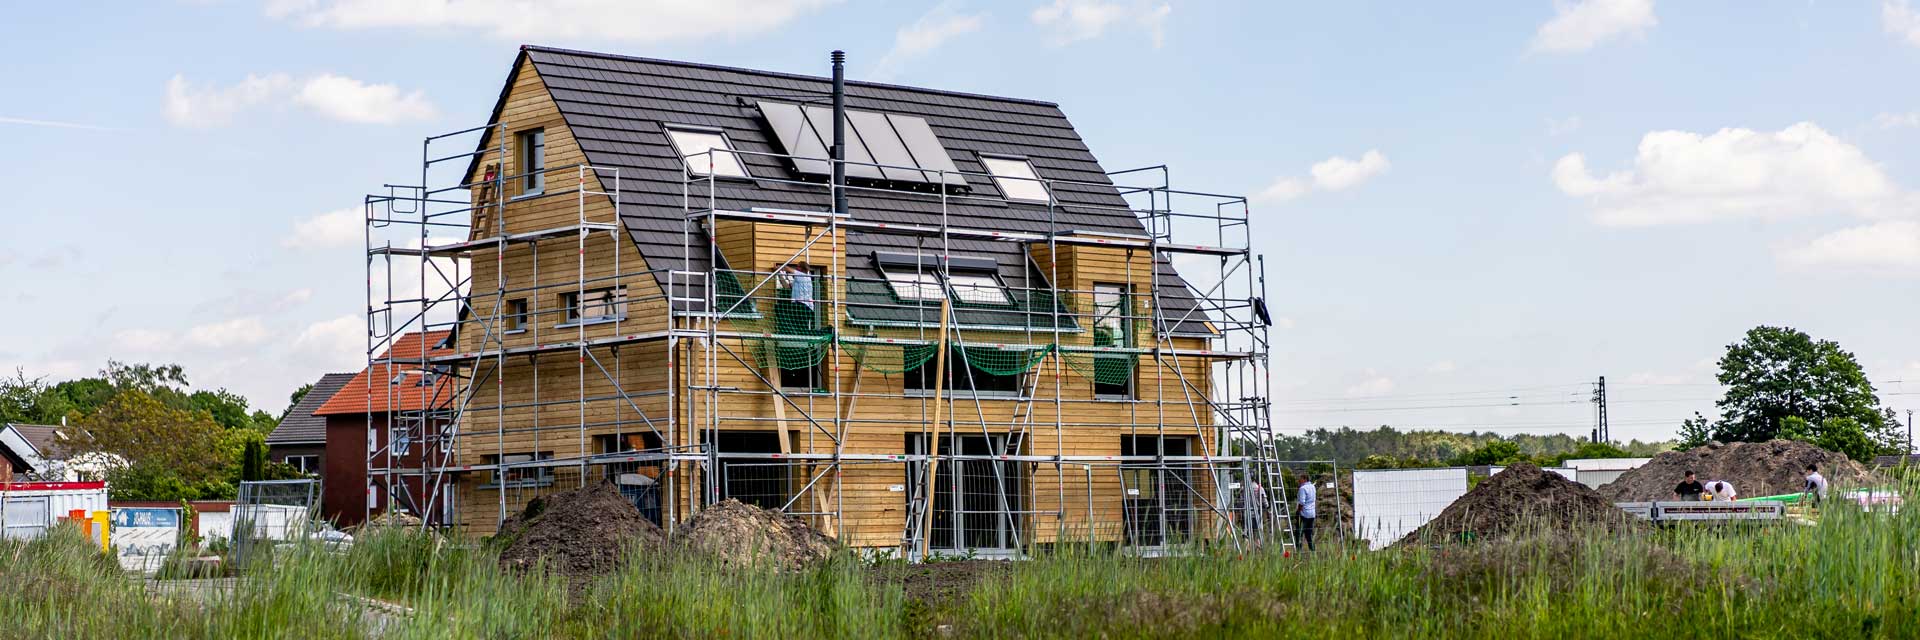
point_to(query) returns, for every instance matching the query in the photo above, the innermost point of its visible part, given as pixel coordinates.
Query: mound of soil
(738, 534)
(583, 532)
(1524, 499)
(1754, 468)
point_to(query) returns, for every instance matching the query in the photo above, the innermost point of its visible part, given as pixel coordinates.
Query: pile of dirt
(1524, 499)
(583, 532)
(1754, 468)
(738, 534)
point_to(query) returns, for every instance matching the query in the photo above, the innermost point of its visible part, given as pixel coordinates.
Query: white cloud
(331, 96)
(1332, 174)
(331, 230)
(1900, 20)
(1897, 120)
(190, 106)
(349, 100)
(642, 21)
(929, 32)
(229, 334)
(1562, 126)
(1885, 247)
(1076, 20)
(339, 344)
(1684, 177)
(143, 340)
(1374, 385)
(1579, 25)
(1443, 366)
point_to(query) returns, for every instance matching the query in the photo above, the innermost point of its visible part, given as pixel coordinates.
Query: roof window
(1016, 179)
(914, 285)
(707, 152)
(977, 288)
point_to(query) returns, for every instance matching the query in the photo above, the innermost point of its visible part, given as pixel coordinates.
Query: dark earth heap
(1517, 502)
(583, 532)
(738, 534)
(1755, 469)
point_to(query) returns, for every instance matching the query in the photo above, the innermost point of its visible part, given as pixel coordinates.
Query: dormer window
(1015, 179)
(977, 288)
(707, 152)
(912, 285)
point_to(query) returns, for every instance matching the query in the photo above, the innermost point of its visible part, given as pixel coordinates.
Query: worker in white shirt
(1722, 491)
(1816, 485)
(1309, 502)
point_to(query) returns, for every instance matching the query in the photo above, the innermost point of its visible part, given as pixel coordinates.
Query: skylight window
(694, 145)
(1016, 179)
(912, 285)
(979, 288)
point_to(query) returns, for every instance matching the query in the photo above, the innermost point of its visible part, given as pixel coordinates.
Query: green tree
(295, 398)
(1498, 452)
(1777, 373)
(253, 461)
(146, 433)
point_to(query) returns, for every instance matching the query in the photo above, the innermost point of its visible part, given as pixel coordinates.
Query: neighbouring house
(361, 435)
(300, 440)
(33, 453)
(964, 335)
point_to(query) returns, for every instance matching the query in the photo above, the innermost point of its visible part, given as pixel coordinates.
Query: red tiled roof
(395, 386)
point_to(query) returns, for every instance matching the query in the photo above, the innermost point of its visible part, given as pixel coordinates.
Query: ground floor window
(977, 504)
(515, 476)
(639, 481)
(1157, 498)
(762, 482)
(309, 463)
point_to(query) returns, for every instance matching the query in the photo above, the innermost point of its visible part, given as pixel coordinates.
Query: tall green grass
(1853, 575)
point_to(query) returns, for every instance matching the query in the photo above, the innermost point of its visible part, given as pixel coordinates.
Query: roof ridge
(783, 74)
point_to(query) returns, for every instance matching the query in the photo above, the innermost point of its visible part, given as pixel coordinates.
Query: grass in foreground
(1853, 575)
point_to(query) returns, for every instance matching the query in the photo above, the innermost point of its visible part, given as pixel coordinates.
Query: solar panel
(797, 137)
(873, 138)
(885, 146)
(859, 161)
(927, 151)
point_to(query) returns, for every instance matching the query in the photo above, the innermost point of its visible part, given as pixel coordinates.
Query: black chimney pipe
(839, 131)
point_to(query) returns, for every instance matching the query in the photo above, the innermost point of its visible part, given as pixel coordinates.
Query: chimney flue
(839, 150)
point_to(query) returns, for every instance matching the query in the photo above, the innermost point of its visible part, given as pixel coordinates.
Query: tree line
(138, 427)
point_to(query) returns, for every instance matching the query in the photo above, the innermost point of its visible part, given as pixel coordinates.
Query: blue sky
(1461, 204)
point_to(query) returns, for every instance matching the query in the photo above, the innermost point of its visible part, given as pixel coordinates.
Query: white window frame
(533, 161)
(309, 463)
(915, 285)
(1016, 178)
(977, 286)
(692, 152)
(575, 310)
(522, 477)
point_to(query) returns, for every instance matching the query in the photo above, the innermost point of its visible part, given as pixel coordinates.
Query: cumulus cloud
(1890, 247)
(640, 21)
(339, 344)
(1684, 177)
(1332, 174)
(1897, 120)
(1580, 25)
(228, 334)
(1374, 385)
(929, 32)
(1072, 21)
(331, 96)
(331, 230)
(1900, 20)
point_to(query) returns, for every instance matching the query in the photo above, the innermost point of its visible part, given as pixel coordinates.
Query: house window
(595, 305)
(533, 161)
(707, 152)
(638, 481)
(308, 464)
(976, 370)
(915, 285)
(1158, 498)
(1112, 327)
(761, 483)
(517, 314)
(1016, 179)
(977, 288)
(509, 476)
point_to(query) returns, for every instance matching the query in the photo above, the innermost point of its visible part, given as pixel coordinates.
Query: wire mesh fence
(270, 512)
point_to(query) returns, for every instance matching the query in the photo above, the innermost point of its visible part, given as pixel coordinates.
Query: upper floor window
(915, 285)
(516, 313)
(533, 161)
(1016, 179)
(609, 303)
(977, 288)
(707, 152)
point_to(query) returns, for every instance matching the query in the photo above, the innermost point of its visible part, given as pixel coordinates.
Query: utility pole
(1909, 431)
(1600, 412)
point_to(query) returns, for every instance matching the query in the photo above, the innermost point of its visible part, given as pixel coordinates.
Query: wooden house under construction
(954, 333)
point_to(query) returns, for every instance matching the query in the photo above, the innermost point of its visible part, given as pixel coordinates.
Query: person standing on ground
(1722, 491)
(1689, 490)
(1255, 500)
(1816, 485)
(1309, 502)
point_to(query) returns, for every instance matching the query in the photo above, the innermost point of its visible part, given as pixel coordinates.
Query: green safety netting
(1104, 354)
(1000, 361)
(889, 357)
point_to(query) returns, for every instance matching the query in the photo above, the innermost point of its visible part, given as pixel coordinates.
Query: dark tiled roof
(300, 425)
(44, 437)
(616, 107)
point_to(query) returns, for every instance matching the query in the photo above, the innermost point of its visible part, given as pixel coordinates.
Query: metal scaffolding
(985, 470)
